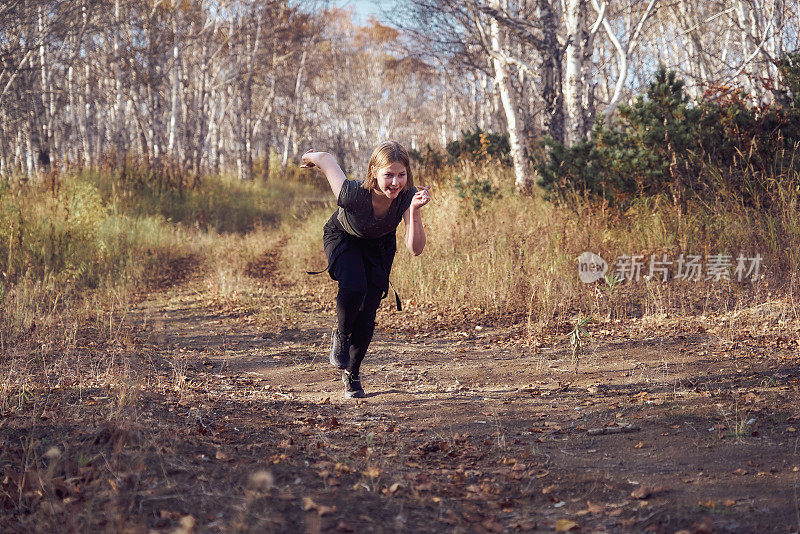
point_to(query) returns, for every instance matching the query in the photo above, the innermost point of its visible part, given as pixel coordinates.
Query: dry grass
(77, 255)
(516, 257)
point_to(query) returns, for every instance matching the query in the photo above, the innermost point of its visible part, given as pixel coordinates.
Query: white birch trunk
(573, 73)
(88, 136)
(119, 102)
(295, 110)
(43, 123)
(623, 53)
(521, 179)
(176, 81)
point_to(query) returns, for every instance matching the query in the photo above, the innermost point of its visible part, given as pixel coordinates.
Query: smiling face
(391, 179)
(389, 170)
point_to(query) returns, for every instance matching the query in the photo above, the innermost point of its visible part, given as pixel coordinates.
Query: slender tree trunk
(119, 101)
(42, 123)
(521, 179)
(295, 110)
(176, 81)
(574, 17)
(265, 118)
(551, 73)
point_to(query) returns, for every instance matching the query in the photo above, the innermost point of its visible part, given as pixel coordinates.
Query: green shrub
(477, 192)
(789, 66)
(480, 147)
(665, 144)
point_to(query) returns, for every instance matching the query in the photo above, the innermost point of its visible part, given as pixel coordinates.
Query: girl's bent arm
(327, 164)
(415, 232)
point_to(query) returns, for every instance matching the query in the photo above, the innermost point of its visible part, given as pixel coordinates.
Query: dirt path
(673, 426)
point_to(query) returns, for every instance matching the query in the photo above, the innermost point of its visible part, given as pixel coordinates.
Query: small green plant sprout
(612, 282)
(577, 339)
(738, 422)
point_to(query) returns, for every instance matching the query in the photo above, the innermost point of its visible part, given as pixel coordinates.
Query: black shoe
(352, 386)
(340, 351)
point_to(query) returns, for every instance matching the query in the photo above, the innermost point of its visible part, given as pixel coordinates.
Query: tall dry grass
(517, 255)
(86, 242)
(77, 250)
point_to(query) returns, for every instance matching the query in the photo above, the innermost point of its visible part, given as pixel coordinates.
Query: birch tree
(218, 86)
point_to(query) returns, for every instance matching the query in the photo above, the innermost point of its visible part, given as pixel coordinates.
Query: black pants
(356, 302)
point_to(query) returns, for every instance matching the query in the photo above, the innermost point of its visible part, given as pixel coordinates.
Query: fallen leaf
(325, 510)
(549, 489)
(642, 492)
(740, 472)
(262, 480)
(565, 525)
(372, 472)
(594, 508)
(187, 525)
(341, 468)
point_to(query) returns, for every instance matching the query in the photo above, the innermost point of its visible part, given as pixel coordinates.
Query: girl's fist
(421, 197)
(306, 160)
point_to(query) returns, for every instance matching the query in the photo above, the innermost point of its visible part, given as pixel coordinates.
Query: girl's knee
(353, 293)
(372, 298)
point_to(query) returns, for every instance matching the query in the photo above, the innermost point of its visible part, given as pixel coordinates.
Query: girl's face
(392, 179)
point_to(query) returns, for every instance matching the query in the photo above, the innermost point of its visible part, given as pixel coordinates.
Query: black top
(357, 217)
(354, 225)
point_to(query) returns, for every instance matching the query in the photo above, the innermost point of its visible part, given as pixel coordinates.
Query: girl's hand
(309, 159)
(422, 197)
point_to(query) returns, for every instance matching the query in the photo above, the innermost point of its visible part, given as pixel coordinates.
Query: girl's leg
(363, 328)
(348, 269)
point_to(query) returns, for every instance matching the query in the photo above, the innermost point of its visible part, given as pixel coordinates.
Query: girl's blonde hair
(383, 156)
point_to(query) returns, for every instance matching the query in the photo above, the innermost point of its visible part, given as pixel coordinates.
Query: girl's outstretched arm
(327, 164)
(415, 232)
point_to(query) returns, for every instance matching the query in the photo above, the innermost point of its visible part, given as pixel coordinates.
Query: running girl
(359, 241)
